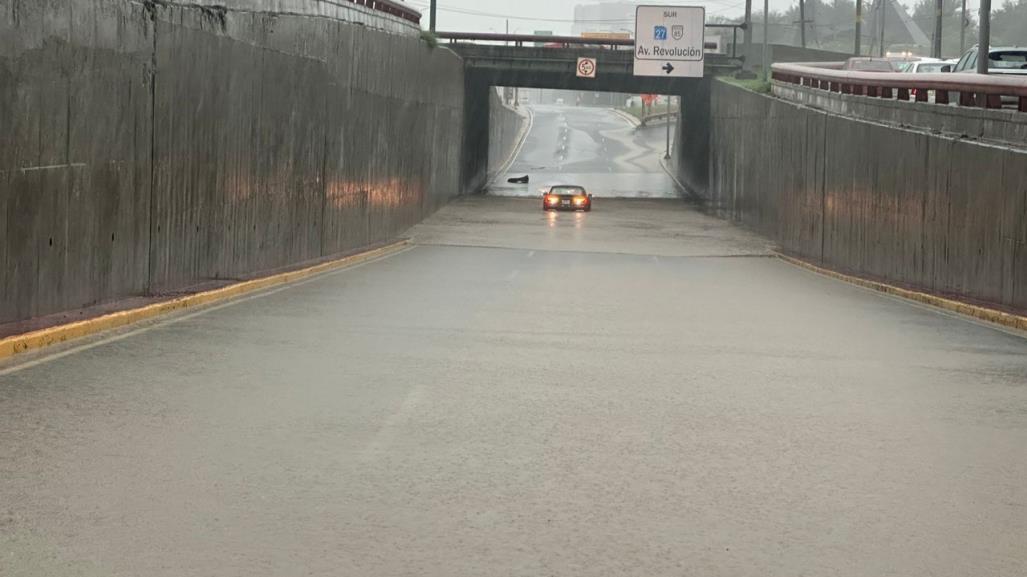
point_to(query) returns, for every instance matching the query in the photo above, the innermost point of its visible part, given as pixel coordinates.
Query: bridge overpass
(531, 61)
(343, 360)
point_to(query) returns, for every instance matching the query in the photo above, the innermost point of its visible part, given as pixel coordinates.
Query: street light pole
(884, 6)
(802, 22)
(936, 49)
(857, 49)
(431, 16)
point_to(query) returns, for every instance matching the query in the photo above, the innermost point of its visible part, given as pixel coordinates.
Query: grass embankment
(636, 111)
(755, 84)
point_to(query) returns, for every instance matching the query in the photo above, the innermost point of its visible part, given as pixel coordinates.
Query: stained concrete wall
(149, 147)
(907, 206)
(506, 125)
(1004, 126)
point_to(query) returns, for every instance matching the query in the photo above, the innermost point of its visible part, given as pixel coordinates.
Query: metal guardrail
(393, 7)
(565, 41)
(657, 116)
(521, 39)
(982, 90)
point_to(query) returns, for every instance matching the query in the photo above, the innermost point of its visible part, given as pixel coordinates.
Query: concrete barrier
(910, 207)
(1005, 127)
(149, 147)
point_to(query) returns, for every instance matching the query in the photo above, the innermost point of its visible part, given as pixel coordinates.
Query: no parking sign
(586, 67)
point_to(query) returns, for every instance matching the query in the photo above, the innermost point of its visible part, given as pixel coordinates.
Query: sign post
(669, 41)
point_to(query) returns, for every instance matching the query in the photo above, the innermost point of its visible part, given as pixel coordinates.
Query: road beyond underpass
(640, 390)
(597, 148)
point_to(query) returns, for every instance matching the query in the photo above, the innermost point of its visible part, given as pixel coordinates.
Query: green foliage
(1008, 24)
(636, 111)
(429, 38)
(754, 85)
(924, 14)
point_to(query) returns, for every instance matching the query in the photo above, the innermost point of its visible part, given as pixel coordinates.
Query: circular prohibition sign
(586, 67)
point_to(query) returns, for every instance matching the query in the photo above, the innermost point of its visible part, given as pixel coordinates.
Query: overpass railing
(393, 7)
(568, 41)
(966, 89)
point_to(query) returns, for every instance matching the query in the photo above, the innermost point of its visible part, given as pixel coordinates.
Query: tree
(924, 13)
(1008, 25)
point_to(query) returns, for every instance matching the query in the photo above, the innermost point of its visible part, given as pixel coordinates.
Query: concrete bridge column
(475, 155)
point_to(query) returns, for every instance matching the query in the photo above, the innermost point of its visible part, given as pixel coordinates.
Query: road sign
(669, 40)
(712, 45)
(586, 67)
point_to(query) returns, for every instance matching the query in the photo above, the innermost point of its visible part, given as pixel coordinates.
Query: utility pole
(748, 33)
(883, 4)
(984, 37)
(802, 22)
(962, 31)
(858, 50)
(766, 57)
(431, 16)
(984, 45)
(936, 49)
(746, 71)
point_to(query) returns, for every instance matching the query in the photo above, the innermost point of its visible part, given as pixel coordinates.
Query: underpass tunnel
(614, 144)
(621, 143)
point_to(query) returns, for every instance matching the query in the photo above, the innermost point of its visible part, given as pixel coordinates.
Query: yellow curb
(983, 313)
(14, 345)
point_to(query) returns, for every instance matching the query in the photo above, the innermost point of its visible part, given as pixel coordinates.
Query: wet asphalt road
(597, 148)
(635, 391)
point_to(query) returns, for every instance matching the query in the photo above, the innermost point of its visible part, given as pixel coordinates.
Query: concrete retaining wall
(906, 206)
(505, 127)
(149, 147)
(1006, 126)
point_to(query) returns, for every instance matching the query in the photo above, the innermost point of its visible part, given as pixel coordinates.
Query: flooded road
(598, 148)
(637, 391)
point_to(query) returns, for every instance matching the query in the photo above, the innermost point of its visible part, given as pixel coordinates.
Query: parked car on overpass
(927, 65)
(867, 64)
(1001, 60)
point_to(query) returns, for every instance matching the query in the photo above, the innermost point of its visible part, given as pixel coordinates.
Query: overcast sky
(526, 16)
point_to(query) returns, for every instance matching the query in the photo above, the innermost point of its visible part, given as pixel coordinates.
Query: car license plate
(565, 202)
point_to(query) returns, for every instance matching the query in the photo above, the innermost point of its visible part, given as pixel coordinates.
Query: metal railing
(567, 41)
(393, 7)
(981, 90)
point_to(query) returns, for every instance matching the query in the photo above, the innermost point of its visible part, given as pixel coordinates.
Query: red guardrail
(521, 39)
(393, 7)
(987, 90)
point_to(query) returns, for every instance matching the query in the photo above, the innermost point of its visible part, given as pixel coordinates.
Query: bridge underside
(486, 66)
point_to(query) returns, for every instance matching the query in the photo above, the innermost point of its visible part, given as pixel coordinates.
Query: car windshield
(1008, 59)
(930, 67)
(567, 190)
